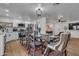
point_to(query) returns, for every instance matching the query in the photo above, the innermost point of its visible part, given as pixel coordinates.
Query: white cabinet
(11, 36)
(15, 35)
(2, 44)
(15, 24)
(8, 37)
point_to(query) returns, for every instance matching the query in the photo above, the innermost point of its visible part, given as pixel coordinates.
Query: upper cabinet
(6, 24)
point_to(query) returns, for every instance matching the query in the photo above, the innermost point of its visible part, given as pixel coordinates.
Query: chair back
(64, 38)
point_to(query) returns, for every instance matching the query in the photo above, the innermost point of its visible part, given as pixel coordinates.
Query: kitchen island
(2, 43)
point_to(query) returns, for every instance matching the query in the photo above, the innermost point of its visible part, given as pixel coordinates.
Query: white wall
(59, 27)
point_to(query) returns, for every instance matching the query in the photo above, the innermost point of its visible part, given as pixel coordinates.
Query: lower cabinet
(11, 36)
(2, 45)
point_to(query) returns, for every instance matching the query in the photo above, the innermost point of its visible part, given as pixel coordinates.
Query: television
(21, 25)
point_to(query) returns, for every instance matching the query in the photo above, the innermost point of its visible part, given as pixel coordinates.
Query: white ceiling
(70, 11)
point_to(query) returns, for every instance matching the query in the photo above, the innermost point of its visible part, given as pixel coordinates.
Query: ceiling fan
(61, 19)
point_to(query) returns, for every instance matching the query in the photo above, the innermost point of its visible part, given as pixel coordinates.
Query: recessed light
(7, 14)
(6, 10)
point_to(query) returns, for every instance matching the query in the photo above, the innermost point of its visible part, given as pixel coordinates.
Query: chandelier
(39, 10)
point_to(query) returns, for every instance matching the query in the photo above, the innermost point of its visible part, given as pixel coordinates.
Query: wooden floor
(14, 48)
(73, 47)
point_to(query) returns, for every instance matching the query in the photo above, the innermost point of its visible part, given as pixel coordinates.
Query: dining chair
(23, 37)
(30, 44)
(64, 38)
(60, 47)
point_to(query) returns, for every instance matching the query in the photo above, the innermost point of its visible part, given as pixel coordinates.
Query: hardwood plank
(73, 47)
(14, 48)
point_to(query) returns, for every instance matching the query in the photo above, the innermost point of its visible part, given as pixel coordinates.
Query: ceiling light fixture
(39, 10)
(60, 17)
